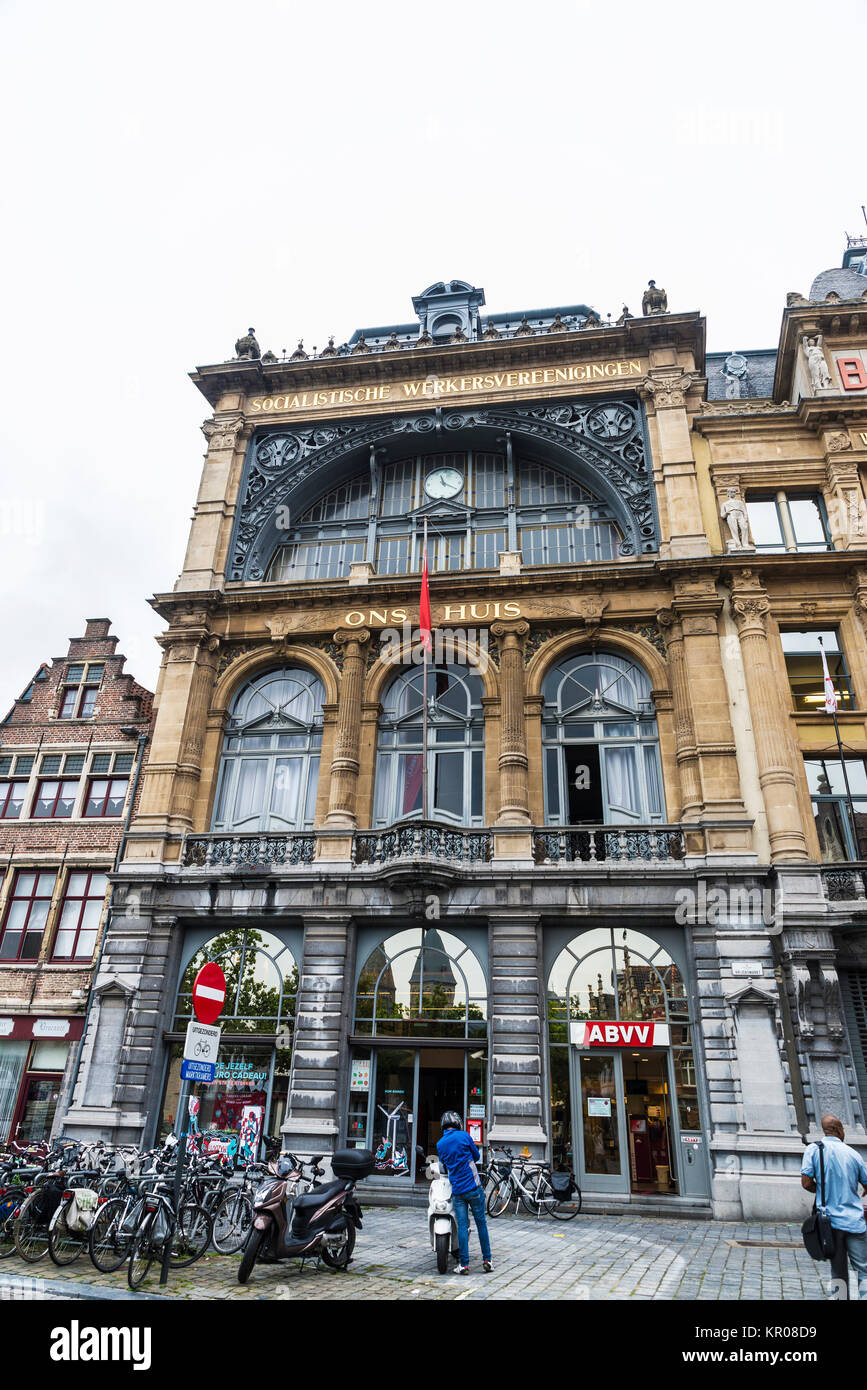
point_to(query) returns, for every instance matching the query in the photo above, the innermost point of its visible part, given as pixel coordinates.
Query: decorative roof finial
(654, 301)
(247, 348)
(330, 350)
(299, 355)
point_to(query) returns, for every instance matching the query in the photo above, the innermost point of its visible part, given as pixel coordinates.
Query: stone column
(515, 1031)
(312, 1118)
(750, 608)
(684, 729)
(664, 392)
(514, 787)
(345, 764)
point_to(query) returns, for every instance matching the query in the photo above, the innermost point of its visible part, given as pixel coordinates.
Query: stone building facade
(71, 750)
(605, 899)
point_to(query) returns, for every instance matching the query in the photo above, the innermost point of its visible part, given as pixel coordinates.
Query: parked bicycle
(535, 1187)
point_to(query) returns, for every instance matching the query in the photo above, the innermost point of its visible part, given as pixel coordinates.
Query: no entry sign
(209, 993)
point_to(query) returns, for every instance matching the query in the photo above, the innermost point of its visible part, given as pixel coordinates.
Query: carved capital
(670, 625)
(344, 635)
(667, 389)
(750, 612)
(517, 628)
(222, 434)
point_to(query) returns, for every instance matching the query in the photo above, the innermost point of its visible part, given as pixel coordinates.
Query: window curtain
(13, 1055)
(624, 798)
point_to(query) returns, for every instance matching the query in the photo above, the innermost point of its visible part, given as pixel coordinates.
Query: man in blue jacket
(459, 1156)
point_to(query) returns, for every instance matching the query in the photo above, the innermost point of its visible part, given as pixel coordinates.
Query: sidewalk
(592, 1257)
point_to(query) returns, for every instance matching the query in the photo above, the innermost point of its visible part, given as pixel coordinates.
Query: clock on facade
(443, 482)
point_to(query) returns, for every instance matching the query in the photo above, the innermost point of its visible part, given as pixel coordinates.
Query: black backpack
(817, 1231)
(46, 1200)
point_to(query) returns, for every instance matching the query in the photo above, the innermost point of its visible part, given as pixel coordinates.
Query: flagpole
(424, 702)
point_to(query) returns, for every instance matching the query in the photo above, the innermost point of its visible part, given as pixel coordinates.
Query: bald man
(844, 1170)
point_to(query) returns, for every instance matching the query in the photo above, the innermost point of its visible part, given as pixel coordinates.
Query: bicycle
(532, 1187)
(188, 1232)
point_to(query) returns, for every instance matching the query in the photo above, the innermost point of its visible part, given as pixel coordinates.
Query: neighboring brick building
(70, 754)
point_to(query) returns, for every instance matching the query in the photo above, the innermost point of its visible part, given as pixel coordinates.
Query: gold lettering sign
(433, 387)
(479, 612)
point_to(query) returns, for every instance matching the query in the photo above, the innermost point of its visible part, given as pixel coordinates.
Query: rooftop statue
(654, 301)
(247, 347)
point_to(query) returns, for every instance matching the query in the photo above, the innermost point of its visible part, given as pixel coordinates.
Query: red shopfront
(34, 1053)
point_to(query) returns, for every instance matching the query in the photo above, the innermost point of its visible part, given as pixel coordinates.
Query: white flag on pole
(830, 692)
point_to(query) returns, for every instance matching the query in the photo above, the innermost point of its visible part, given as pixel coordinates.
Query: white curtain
(624, 798)
(13, 1055)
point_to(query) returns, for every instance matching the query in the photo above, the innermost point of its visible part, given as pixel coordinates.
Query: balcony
(423, 840)
(649, 844)
(247, 851)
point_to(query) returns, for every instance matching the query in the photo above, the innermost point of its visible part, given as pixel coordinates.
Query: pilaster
(665, 392)
(321, 1021)
(516, 1035)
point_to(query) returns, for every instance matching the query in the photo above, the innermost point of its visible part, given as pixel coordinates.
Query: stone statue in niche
(247, 347)
(734, 513)
(654, 301)
(820, 377)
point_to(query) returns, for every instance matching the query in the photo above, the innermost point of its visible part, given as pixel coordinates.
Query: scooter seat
(306, 1205)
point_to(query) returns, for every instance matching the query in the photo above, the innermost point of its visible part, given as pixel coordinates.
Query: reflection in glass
(599, 1115)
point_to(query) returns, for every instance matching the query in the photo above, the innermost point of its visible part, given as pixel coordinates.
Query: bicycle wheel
(192, 1236)
(141, 1254)
(500, 1197)
(64, 1246)
(536, 1195)
(111, 1236)
(232, 1220)
(564, 1211)
(7, 1222)
(30, 1234)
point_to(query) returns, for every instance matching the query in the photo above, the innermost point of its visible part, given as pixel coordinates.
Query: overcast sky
(174, 172)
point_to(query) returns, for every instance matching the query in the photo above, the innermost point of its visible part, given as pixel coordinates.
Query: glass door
(392, 1121)
(602, 1156)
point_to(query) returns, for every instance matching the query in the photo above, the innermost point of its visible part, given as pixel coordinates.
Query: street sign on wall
(198, 1071)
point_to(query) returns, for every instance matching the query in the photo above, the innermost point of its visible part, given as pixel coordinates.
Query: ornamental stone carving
(668, 390)
(247, 348)
(836, 441)
(820, 377)
(222, 434)
(590, 609)
(654, 300)
(750, 612)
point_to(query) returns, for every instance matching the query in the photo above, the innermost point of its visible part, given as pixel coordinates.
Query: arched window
(478, 503)
(270, 767)
(248, 1095)
(455, 748)
(614, 973)
(600, 743)
(422, 984)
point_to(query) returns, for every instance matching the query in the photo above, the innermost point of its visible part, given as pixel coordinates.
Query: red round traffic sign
(209, 993)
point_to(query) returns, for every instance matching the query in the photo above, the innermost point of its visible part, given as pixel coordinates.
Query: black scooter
(320, 1224)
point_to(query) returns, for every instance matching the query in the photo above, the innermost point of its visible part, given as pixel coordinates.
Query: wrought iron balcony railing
(247, 851)
(422, 840)
(650, 844)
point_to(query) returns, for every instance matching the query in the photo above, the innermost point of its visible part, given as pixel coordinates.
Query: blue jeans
(466, 1202)
(850, 1248)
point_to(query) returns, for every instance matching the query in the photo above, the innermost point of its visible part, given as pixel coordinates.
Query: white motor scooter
(441, 1219)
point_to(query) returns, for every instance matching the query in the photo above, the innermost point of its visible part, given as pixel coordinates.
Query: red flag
(424, 608)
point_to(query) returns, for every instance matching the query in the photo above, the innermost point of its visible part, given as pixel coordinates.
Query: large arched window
(600, 743)
(422, 984)
(261, 982)
(455, 748)
(270, 767)
(615, 973)
(478, 504)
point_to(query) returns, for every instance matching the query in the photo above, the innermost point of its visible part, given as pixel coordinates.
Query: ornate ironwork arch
(602, 444)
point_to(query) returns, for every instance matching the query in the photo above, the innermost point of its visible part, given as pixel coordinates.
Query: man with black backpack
(838, 1170)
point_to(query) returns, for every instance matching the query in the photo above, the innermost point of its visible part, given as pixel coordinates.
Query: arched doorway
(419, 1045)
(625, 1113)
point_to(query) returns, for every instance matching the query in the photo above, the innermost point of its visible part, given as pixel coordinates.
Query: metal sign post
(199, 1064)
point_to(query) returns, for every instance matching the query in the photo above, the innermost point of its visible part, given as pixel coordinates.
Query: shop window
(82, 907)
(80, 689)
(269, 773)
(782, 521)
(804, 667)
(839, 838)
(27, 914)
(13, 1059)
(422, 984)
(454, 752)
(600, 743)
(249, 1093)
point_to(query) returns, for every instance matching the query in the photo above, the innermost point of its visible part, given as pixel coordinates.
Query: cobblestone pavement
(591, 1257)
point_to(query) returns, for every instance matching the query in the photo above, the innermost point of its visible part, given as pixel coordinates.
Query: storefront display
(33, 1057)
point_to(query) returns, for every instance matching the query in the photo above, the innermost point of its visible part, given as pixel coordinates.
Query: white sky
(176, 171)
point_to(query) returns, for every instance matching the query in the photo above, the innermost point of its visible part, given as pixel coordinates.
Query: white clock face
(444, 482)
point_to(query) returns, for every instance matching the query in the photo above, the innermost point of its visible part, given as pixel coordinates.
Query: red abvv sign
(591, 1033)
(209, 993)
